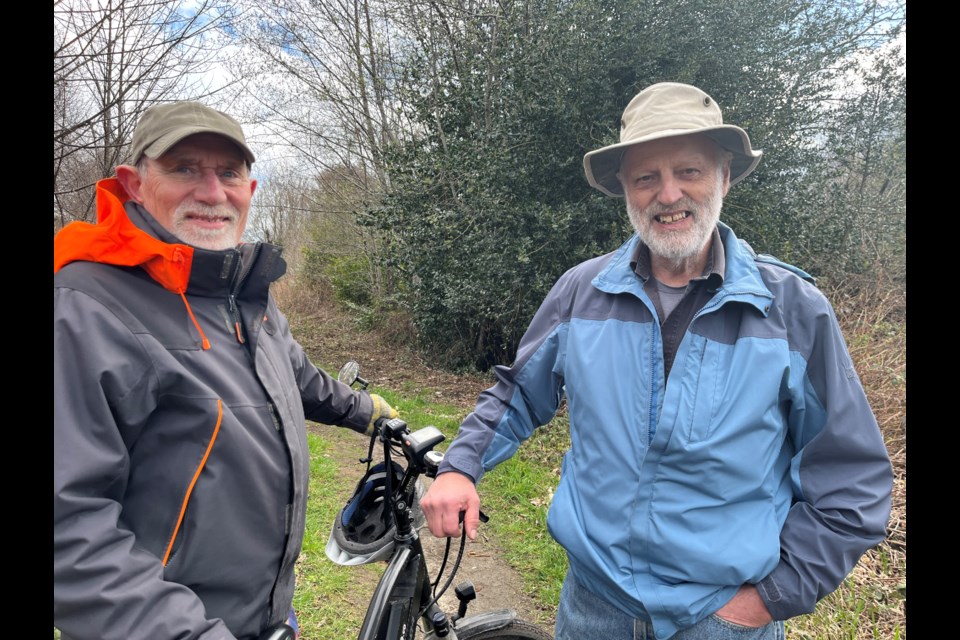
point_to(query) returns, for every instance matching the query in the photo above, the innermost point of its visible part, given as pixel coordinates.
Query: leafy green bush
(350, 278)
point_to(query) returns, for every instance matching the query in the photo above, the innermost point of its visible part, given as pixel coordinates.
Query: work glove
(380, 410)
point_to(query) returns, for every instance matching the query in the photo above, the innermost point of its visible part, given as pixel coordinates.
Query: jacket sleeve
(325, 399)
(526, 396)
(104, 585)
(840, 473)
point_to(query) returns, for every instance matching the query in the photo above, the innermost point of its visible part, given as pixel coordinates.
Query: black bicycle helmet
(364, 531)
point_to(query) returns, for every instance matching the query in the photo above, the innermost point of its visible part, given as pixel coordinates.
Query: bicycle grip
(483, 517)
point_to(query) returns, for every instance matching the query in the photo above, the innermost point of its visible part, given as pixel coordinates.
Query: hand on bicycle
(380, 410)
(449, 495)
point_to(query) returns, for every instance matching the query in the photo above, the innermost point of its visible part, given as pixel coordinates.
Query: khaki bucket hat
(661, 111)
(164, 125)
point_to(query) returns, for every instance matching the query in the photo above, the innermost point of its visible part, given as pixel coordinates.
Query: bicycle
(380, 523)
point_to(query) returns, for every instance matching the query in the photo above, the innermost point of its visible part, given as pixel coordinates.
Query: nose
(209, 189)
(669, 190)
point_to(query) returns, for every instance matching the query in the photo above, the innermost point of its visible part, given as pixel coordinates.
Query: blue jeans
(584, 616)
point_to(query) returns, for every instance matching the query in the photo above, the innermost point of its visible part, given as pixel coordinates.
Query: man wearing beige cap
(725, 469)
(180, 452)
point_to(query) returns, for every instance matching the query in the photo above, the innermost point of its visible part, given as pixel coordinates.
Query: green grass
(326, 596)
(852, 612)
(516, 496)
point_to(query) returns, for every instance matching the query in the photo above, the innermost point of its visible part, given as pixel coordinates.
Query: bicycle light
(417, 444)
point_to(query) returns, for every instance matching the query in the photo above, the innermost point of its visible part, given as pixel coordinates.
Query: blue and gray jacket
(757, 461)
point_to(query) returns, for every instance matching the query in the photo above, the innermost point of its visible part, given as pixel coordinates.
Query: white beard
(214, 239)
(678, 246)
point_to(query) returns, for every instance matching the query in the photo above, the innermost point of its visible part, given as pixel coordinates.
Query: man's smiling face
(200, 190)
(674, 189)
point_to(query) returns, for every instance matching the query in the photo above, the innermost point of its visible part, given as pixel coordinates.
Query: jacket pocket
(701, 390)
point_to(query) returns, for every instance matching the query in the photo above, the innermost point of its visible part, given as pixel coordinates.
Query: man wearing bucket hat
(180, 453)
(725, 469)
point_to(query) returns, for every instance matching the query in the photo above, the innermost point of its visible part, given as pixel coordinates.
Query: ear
(253, 187)
(129, 179)
(726, 174)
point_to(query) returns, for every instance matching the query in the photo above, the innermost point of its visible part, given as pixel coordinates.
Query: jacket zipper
(239, 278)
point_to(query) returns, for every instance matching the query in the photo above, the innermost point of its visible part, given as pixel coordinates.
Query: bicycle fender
(486, 621)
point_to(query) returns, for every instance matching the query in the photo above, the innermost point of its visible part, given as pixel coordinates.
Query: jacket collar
(116, 240)
(712, 273)
(127, 235)
(741, 282)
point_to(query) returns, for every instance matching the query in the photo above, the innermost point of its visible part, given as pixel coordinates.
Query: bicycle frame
(405, 585)
(404, 597)
(396, 601)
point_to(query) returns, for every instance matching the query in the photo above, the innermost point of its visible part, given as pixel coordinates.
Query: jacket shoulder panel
(766, 258)
(798, 306)
(141, 304)
(579, 296)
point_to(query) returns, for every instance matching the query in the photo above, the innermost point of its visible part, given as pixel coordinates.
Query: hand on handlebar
(450, 495)
(380, 410)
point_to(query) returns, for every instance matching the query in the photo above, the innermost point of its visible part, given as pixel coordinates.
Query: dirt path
(330, 337)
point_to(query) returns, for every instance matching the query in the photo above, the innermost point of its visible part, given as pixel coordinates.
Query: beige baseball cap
(661, 111)
(164, 125)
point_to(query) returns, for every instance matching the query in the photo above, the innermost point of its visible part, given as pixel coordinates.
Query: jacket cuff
(360, 419)
(773, 598)
(461, 466)
(463, 473)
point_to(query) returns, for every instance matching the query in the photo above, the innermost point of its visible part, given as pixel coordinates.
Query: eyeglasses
(195, 174)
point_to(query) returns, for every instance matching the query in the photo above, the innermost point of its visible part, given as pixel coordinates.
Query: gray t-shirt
(670, 297)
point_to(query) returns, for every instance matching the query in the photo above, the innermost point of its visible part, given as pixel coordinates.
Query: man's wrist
(746, 608)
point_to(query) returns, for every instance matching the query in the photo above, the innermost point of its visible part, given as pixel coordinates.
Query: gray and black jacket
(180, 451)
